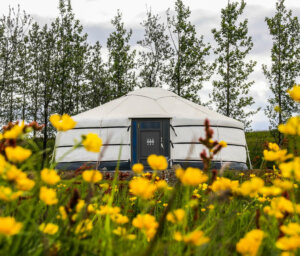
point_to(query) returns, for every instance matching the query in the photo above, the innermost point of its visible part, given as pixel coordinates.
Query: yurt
(150, 121)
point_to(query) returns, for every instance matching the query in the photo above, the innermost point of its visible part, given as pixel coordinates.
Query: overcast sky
(96, 15)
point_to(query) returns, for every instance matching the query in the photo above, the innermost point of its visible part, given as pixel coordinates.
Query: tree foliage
(231, 91)
(285, 66)
(121, 62)
(156, 52)
(187, 69)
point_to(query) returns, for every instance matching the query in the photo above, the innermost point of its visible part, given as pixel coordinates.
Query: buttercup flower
(92, 142)
(92, 176)
(176, 216)
(223, 144)
(48, 196)
(6, 194)
(17, 154)
(9, 226)
(138, 168)
(250, 244)
(62, 123)
(84, 226)
(147, 223)
(295, 93)
(50, 176)
(158, 163)
(191, 176)
(48, 228)
(14, 132)
(25, 184)
(196, 238)
(142, 187)
(222, 184)
(291, 127)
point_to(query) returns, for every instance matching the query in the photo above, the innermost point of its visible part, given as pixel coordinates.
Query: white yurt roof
(153, 103)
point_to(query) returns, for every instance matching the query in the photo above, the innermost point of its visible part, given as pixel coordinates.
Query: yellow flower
(288, 243)
(14, 132)
(105, 209)
(25, 184)
(147, 223)
(48, 195)
(291, 127)
(79, 205)
(92, 176)
(6, 194)
(279, 207)
(223, 144)
(17, 154)
(62, 123)
(176, 216)
(142, 187)
(222, 184)
(250, 244)
(63, 213)
(92, 142)
(9, 226)
(50, 176)
(196, 238)
(48, 228)
(291, 229)
(279, 156)
(161, 184)
(270, 191)
(138, 168)
(191, 176)
(13, 173)
(251, 187)
(119, 231)
(119, 219)
(84, 226)
(158, 163)
(283, 184)
(295, 93)
(291, 168)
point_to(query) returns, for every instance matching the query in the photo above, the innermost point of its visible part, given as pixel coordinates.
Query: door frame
(135, 136)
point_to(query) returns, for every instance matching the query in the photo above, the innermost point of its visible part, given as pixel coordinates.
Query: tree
(231, 92)
(285, 67)
(120, 59)
(157, 52)
(187, 69)
(71, 47)
(12, 33)
(97, 90)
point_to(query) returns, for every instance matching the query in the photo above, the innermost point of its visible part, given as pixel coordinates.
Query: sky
(95, 16)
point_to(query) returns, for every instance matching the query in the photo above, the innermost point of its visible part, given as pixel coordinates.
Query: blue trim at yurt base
(126, 166)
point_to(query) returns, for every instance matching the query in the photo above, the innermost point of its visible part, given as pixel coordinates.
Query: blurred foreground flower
(195, 238)
(48, 196)
(147, 223)
(92, 176)
(62, 123)
(158, 163)
(142, 187)
(92, 142)
(176, 216)
(9, 226)
(295, 93)
(14, 132)
(138, 168)
(17, 154)
(292, 126)
(191, 176)
(50, 176)
(48, 228)
(250, 244)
